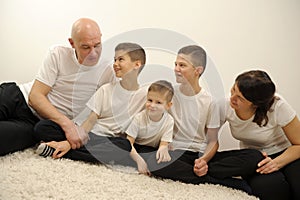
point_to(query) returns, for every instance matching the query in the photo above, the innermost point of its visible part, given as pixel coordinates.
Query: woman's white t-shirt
(270, 138)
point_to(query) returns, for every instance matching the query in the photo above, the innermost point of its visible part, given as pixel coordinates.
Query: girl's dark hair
(257, 87)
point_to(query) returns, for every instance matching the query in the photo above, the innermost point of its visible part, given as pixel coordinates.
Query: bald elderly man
(67, 79)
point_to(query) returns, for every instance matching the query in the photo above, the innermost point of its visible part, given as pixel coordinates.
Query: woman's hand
(267, 165)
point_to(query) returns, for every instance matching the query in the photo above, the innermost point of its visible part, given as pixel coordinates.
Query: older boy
(197, 122)
(112, 109)
(153, 127)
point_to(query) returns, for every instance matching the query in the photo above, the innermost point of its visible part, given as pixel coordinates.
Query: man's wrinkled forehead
(187, 58)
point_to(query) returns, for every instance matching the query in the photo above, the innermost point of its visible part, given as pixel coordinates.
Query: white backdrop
(237, 34)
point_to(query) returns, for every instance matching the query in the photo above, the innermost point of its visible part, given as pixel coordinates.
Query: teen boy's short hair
(163, 87)
(196, 53)
(135, 52)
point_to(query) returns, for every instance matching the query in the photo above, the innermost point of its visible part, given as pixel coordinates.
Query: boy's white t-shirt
(270, 138)
(192, 116)
(116, 107)
(72, 84)
(150, 133)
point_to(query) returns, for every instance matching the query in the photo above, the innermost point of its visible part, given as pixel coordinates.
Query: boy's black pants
(99, 149)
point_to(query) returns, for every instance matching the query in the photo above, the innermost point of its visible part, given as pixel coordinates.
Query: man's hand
(200, 167)
(162, 154)
(74, 135)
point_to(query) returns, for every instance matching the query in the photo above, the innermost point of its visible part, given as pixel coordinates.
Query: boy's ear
(199, 70)
(169, 104)
(138, 64)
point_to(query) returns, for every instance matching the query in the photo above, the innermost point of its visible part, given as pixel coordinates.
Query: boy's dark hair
(163, 87)
(197, 54)
(135, 52)
(258, 88)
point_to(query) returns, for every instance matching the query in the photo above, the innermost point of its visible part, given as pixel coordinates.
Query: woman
(261, 120)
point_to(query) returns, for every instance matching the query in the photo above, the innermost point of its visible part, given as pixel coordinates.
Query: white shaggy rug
(25, 175)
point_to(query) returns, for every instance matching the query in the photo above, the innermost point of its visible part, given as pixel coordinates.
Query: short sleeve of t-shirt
(221, 103)
(168, 133)
(133, 128)
(96, 101)
(48, 72)
(284, 112)
(213, 118)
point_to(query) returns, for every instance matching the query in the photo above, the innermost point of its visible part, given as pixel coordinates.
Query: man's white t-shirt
(150, 133)
(72, 84)
(116, 107)
(192, 116)
(270, 138)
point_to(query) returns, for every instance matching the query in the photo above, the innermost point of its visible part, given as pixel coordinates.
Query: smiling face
(184, 70)
(157, 104)
(123, 63)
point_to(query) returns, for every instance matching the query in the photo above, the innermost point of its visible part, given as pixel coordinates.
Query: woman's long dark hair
(258, 88)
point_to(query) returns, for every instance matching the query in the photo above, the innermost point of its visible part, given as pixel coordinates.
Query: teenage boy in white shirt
(197, 121)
